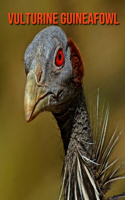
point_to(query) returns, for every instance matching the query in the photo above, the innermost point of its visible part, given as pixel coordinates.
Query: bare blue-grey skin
(51, 80)
(51, 88)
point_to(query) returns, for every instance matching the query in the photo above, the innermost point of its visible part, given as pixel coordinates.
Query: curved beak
(36, 97)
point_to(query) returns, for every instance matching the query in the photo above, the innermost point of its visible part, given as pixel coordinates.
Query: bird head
(54, 70)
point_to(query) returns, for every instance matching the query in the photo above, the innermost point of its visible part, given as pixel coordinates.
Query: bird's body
(54, 69)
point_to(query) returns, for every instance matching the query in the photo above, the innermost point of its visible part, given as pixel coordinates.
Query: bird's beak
(35, 98)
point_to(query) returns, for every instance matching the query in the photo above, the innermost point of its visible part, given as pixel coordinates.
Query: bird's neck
(74, 124)
(78, 178)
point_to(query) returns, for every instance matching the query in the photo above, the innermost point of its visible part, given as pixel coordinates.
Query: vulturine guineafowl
(54, 70)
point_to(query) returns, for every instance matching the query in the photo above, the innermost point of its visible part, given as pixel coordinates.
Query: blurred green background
(31, 153)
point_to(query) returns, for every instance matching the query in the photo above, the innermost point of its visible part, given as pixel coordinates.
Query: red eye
(59, 58)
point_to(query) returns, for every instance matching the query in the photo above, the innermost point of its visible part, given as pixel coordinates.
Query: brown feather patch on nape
(77, 63)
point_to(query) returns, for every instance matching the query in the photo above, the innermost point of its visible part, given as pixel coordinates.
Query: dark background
(30, 153)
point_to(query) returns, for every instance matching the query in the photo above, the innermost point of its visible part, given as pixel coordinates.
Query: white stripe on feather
(87, 160)
(75, 193)
(102, 137)
(80, 182)
(116, 170)
(62, 185)
(68, 197)
(97, 114)
(112, 163)
(101, 117)
(111, 148)
(113, 179)
(92, 182)
(110, 141)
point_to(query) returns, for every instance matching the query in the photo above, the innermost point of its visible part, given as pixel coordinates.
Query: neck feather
(74, 124)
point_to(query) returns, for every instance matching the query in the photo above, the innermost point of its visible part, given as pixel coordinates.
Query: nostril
(39, 76)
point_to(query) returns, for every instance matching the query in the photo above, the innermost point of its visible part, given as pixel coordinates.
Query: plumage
(55, 69)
